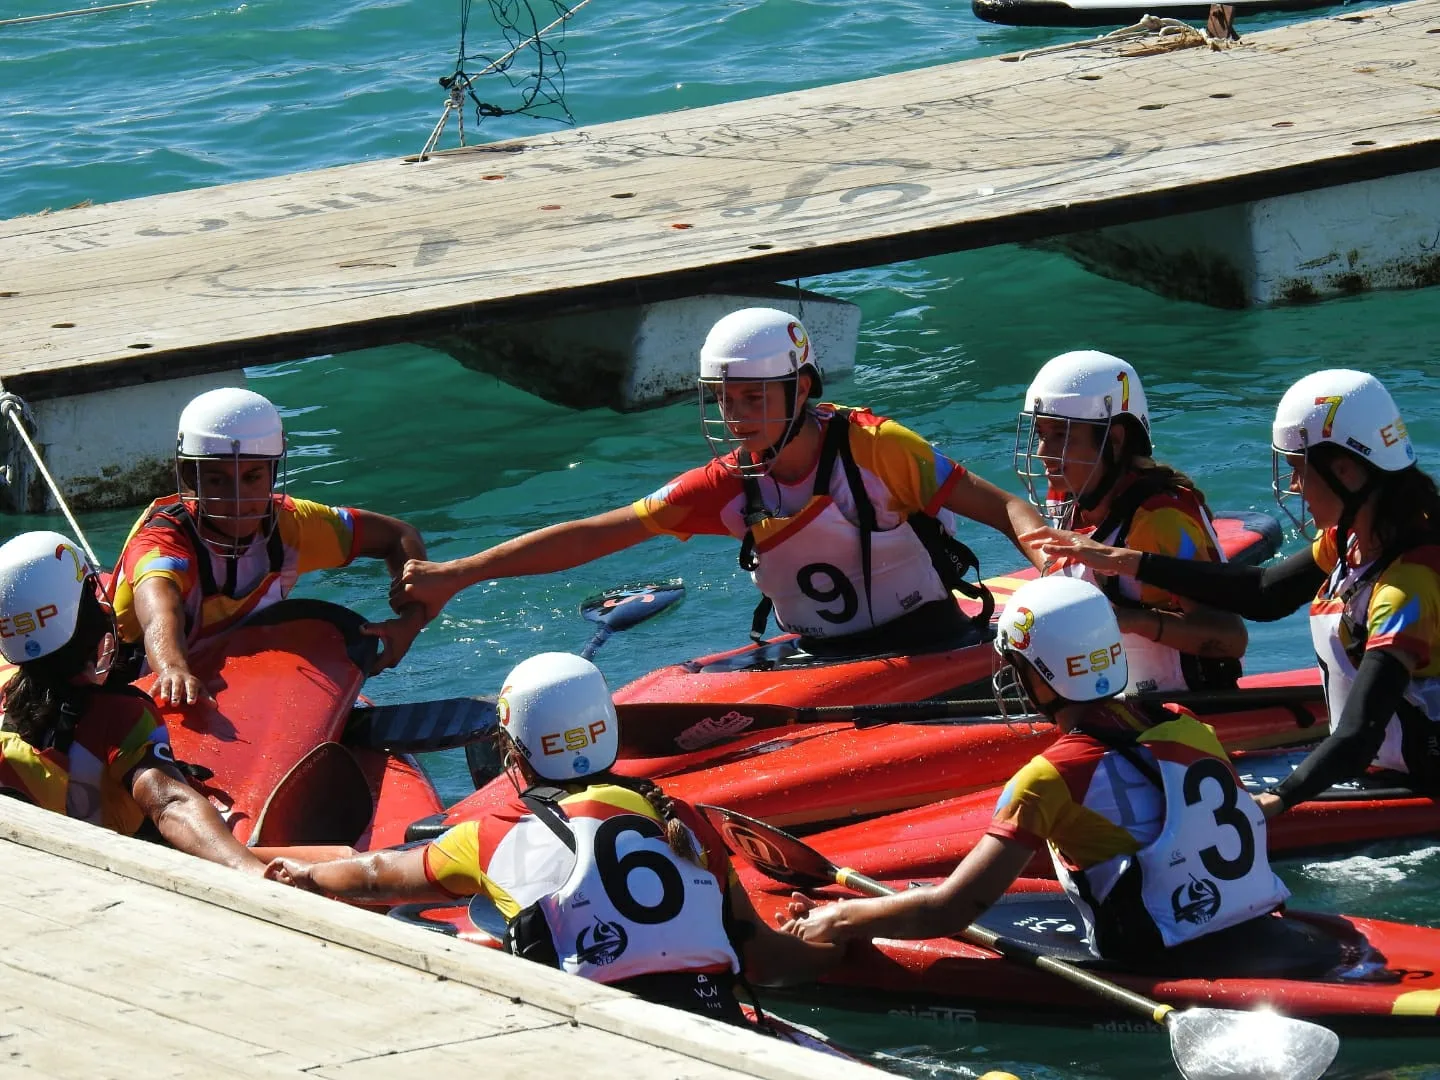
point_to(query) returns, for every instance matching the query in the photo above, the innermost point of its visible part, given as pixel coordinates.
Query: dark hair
(680, 839)
(1406, 507)
(42, 701)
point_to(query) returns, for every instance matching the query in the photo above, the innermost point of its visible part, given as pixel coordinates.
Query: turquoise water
(184, 93)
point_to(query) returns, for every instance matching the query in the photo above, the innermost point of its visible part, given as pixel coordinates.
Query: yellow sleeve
(323, 536)
(917, 477)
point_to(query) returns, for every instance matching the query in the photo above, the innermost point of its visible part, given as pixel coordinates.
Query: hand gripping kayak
(1207, 1044)
(655, 729)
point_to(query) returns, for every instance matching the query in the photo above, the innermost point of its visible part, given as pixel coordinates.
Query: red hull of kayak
(811, 774)
(283, 685)
(1386, 978)
(773, 672)
(930, 841)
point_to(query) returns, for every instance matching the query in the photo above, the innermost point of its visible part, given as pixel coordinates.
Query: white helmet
(1066, 629)
(1348, 409)
(230, 424)
(43, 577)
(753, 345)
(558, 712)
(1085, 386)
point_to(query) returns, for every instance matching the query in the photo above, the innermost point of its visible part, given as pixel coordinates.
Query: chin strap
(1109, 476)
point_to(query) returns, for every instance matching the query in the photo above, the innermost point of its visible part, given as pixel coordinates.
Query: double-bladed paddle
(655, 729)
(1207, 1044)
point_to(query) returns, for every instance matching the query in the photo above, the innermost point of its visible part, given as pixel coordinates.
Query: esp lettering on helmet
(572, 739)
(1098, 660)
(27, 622)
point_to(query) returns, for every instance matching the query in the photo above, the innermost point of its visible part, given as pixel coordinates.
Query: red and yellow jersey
(163, 544)
(1403, 612)
(119, 732)
(1075, 797)
(513, 859)
(1173, 522)
(902, 473)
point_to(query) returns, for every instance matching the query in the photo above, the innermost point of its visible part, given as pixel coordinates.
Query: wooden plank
(992, 150)
(127, 958)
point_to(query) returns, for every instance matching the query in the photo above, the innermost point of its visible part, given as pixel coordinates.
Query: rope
(460, 83)
(1148, 24)
(13, 409)
(68, 14)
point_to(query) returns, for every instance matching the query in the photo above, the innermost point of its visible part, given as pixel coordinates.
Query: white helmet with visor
(43, 579)
(1065, 630)
(235, 426)
(1347, 409)
(558, 713)
(753, 345)
(1083, 387)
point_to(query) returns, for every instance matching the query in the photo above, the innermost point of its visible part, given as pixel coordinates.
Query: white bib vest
(1206, 870)
(629, 906)
(810, 567)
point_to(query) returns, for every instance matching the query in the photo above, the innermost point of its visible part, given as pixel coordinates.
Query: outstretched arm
(771, 958)
(160, 608)
(982, 501)
(375, 875)
(397, 542)
(1249, 591)
(972, 887)
(186, 819)
(1357, 734)
(544, 551)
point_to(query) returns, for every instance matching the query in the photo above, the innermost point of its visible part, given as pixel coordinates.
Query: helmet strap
(1109, 476)
(796, 424)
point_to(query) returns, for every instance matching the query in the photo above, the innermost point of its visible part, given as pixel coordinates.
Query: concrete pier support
(107, 449)
(633, 358)
(1313, 245)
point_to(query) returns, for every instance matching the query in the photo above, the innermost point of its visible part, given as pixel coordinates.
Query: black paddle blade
(773, 851)
(625, 605)
(419, 727)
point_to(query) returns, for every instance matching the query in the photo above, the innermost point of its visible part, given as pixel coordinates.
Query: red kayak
(284, 684)
(1359, 975)
(811, 774)
(777, 671)
(930, 841)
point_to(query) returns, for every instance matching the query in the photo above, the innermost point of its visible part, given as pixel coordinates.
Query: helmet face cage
(1013, 700)
(716, 427)
(208, 503)
(1055, 505)
(1288, 500)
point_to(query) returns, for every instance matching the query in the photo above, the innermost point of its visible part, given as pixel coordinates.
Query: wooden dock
(126, 959)
(994, 150)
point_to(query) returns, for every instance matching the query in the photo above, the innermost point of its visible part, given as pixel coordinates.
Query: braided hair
(677, 835)
(42, 702)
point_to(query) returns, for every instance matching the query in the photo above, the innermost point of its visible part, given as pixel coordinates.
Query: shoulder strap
(952, 560)
(1123, 743)
(1145, 486)
(178, 513)
(837, 444)
(544, 803)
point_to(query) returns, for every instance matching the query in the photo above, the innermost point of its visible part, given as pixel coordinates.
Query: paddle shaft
(1023, 954)
(652, 729)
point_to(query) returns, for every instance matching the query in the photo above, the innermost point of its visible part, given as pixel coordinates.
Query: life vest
(1206, 870)
(1339, 630)
(824, 576)
(628, 906)
(65, 775)
(1153, 666)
